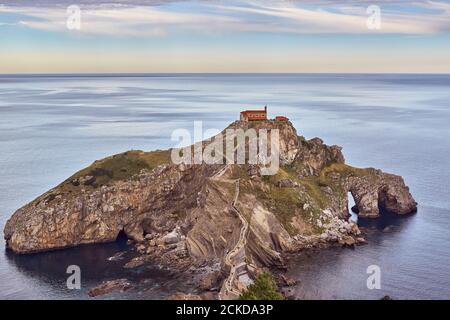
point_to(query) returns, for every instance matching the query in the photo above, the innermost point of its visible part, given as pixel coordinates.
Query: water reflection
(386, 222)
(48, 271)
(341, 273)
(92, 259)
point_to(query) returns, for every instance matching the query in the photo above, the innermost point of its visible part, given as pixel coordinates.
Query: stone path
(230, 259)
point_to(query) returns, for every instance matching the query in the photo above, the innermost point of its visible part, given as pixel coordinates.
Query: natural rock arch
(380, 192)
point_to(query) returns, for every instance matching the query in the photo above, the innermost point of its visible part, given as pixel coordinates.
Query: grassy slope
(287, 203)
(121, 166)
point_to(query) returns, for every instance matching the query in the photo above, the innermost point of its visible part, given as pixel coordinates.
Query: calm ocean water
(51, 126)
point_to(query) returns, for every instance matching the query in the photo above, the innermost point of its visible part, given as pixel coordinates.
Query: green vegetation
(117, 167)
(287, 203)
(313, 185)
(302, 139)
(264, 288)
(121, 166)
(342, 168)
(239, 172)
(304, 142)
(180, 214)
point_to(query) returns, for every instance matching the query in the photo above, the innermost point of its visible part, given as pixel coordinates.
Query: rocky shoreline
(189, 218)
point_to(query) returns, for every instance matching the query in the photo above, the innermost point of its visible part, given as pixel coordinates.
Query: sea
(53, 125)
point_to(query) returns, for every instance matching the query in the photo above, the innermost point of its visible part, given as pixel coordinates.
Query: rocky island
(226, 219)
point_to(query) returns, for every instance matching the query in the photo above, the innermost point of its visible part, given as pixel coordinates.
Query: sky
(53, 36)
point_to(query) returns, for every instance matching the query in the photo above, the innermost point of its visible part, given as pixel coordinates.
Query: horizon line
(207, 73)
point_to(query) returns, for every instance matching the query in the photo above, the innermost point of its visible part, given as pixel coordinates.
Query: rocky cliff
(184, 215)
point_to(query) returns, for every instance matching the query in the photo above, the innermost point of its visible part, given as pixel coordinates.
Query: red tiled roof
(251, 111)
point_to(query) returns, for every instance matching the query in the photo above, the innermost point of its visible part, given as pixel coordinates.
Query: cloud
(160, 18)
(332, 18)
(7, 24)
(125, 20)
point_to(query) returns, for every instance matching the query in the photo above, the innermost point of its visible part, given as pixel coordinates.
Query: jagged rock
(327, 190)
(141, 248)
(209, 295)
(82, 219)
(334, 175)
(172, 237)
(86, 180)
(288, 281)
(314, 155)
(184, 296)
(118, 256)
(376, 191)
(289, 143)
(110, 286)
(209, 281)
(135, 262)
(348, 241)
(182, 215)
(253, 171)
(267, 238)
(361, 240)
(287, 183)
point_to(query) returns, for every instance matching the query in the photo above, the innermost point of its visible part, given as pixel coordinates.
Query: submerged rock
(109, 286)
(135, 262)
(117, 256)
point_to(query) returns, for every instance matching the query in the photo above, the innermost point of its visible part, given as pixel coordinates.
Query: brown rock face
(376, 192)
(109, 286)
(184, 296)
(148, 202)
(189, 210)
(289, 144)
(314, 155)
(210, 281)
